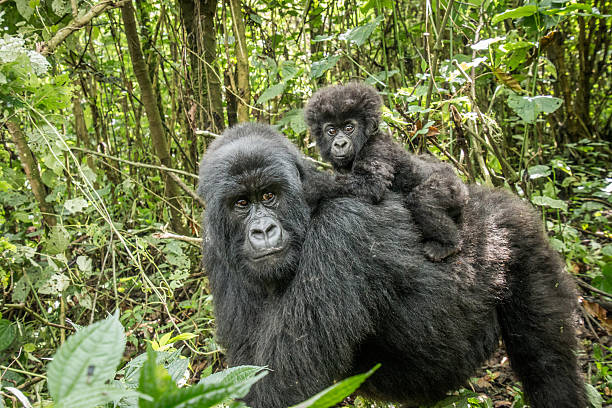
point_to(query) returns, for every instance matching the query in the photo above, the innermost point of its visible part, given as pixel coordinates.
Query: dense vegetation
(107, 106)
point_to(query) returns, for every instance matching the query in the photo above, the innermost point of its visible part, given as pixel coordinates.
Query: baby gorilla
(344, 120)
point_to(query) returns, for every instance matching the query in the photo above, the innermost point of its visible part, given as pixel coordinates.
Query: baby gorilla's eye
(268, 196)
(241, 203)
(331, 131)
(348, 128)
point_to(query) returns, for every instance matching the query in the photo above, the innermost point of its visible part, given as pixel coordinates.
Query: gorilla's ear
(372, 127)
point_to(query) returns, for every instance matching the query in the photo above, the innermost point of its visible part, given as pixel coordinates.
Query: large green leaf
(272, 92)
(359, 35)
(518, 12)
(7, 334)
(57, 241)
(26, 8)
(93, 396)
(337, 392)
(594, 397)
(529, 107)
(549, 202)
(212, 390)
(75, 205)
(539, 171)
(321, 66)
(295, 119)
(88, 358)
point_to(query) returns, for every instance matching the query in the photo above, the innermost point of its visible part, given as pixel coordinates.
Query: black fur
(355, 289)
(371, 163)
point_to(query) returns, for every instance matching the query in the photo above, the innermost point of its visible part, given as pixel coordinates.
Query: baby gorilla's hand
(449, 193)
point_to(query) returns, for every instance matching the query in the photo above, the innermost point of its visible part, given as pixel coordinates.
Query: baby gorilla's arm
(437, 204)
(370, 179)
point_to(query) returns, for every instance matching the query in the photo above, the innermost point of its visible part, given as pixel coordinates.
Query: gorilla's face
(256, 214)
(340, 141)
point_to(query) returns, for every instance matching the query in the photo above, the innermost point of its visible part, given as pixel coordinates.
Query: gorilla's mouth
(266, 253)
(343, 157)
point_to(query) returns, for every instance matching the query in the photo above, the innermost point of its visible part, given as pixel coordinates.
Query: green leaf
(60, 7)
(88, 358)
(7, 334)
(208, 395)
(359, 35)
(289, 70)
(549, 202)
(295, 119)
(23, 6)
(484, 44)
(337, 392)
(215, 389)
(182, 336)
(55, 285)
(594, 397)
(323, 38)
(84, 263)
(93, 396)
(232, 375)
(529, 107)
(607, 250)
(523, 11)
(271, 92)
(240, 378)
(154, 381)
(320, 67)
(57, 241)
(538, 171)
(75, 205)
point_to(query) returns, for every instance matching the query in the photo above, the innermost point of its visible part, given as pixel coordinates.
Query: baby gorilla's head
(342, 118)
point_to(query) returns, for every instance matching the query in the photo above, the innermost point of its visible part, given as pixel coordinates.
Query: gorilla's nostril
(340, 143)
(265, 234)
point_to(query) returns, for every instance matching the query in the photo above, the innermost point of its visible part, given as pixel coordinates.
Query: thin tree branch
(186, 188)
(136, 164)
(78, 23)
(168, 235)
(38, 317)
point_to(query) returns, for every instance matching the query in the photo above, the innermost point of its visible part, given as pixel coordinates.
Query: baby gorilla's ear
(372, 126)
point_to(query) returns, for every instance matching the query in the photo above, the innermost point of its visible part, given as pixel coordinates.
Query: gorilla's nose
(265, 233)
(340, 144)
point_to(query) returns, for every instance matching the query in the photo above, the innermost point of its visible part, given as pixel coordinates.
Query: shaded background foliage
(106, 108)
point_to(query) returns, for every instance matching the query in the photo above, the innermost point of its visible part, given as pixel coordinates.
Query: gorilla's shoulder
(364, 223)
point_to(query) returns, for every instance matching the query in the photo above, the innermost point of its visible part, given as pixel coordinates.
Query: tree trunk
(149, 100)
(242, 62)
(205, 111)
(30, 166)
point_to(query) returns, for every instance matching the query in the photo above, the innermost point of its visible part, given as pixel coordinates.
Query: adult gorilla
(318, 297)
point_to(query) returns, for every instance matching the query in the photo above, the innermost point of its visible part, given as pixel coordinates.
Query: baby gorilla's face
(340, 142)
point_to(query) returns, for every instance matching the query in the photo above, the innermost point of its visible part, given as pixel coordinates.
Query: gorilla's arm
(321, 318)
(370, 179)
(436, 197)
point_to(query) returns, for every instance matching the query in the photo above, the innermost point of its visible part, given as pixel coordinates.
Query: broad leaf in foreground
(88, 358)
(156, 383)
(337, 392)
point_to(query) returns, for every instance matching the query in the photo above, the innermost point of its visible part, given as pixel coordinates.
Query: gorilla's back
(442, 313)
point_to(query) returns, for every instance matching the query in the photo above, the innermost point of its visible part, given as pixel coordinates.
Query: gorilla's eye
(331, 131)
(348, 128)
(268, 196)
(241, 203)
